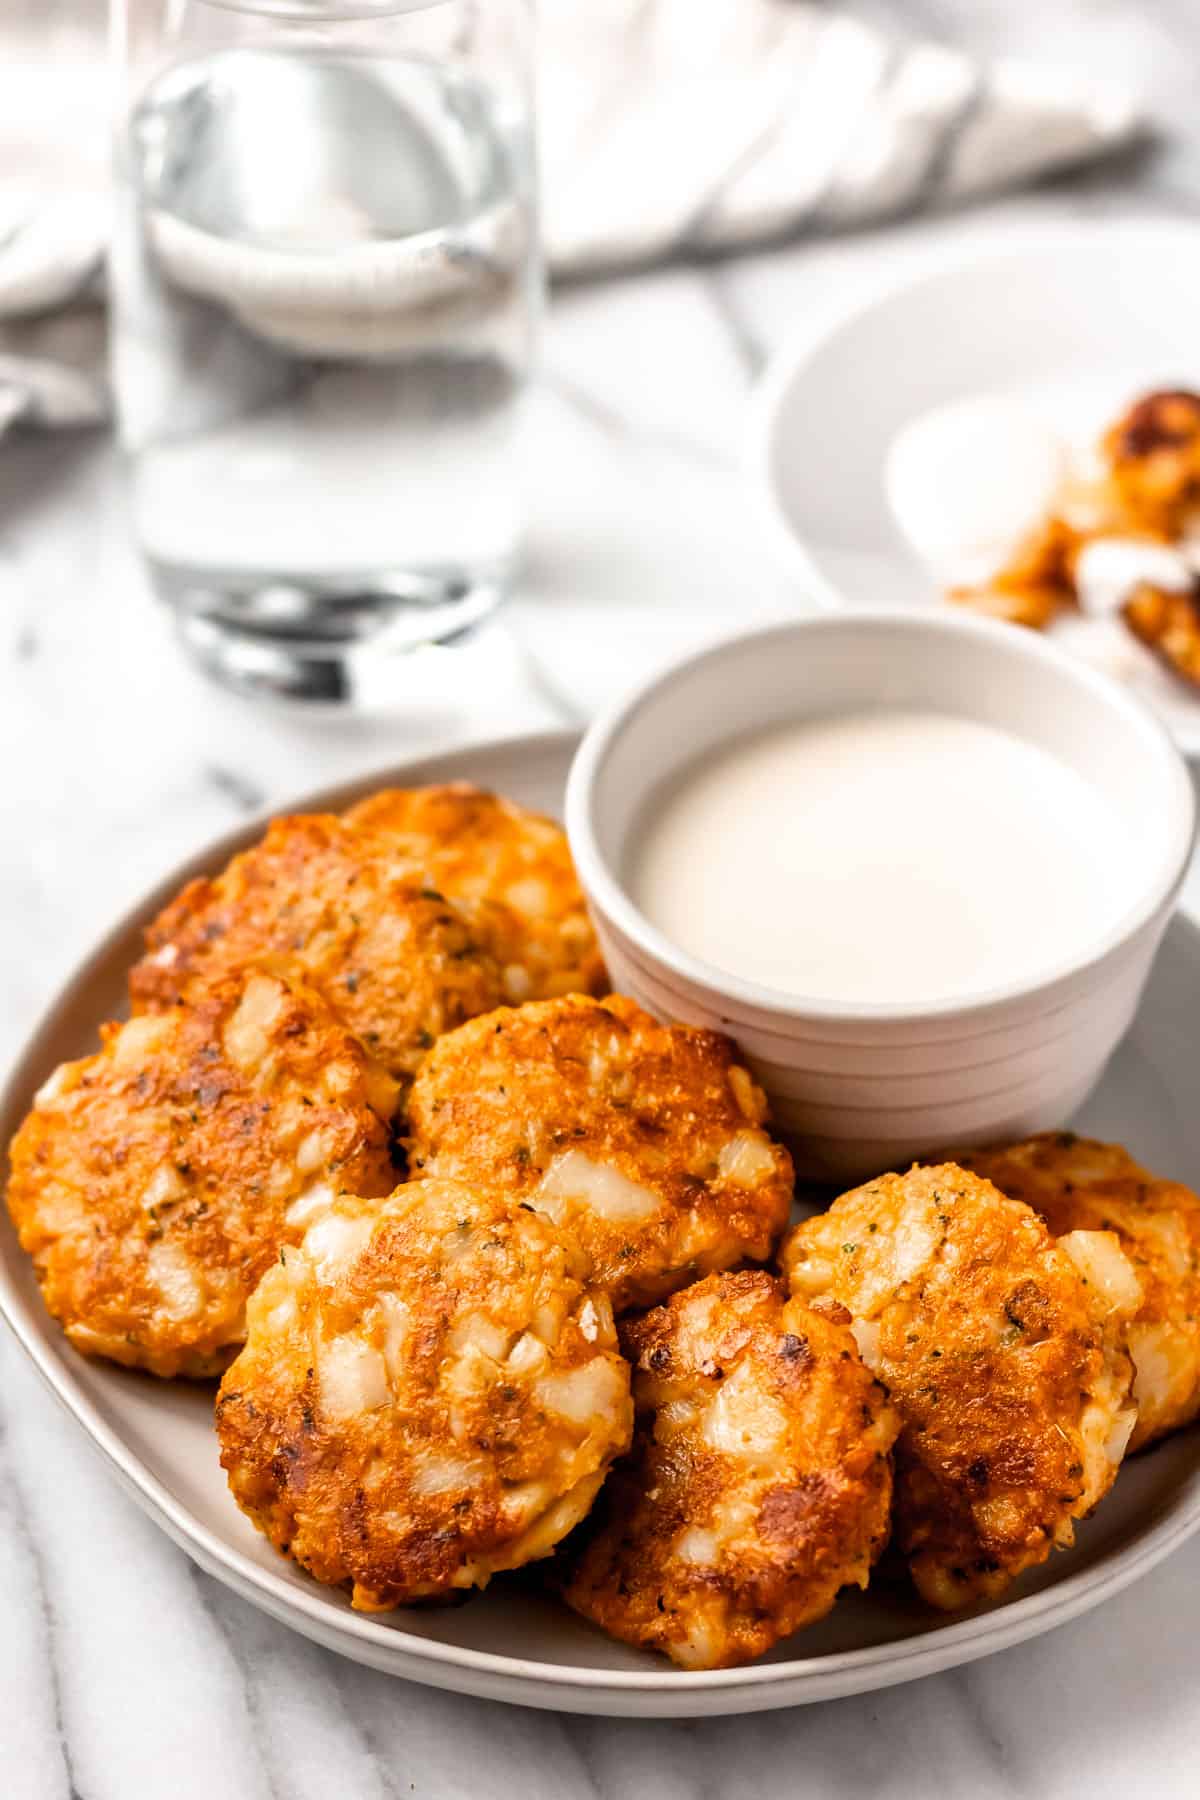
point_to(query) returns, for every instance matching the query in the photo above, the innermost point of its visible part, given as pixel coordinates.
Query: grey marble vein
(23, 1542)
(748, 346)
(617, 425)
(244, 792)
(210, 1598)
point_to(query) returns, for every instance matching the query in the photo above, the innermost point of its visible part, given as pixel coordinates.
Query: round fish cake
(153, 1183)
(1001, 1350)
(1076, 1184)
(476, 846)
(644, 1142)
(428, 1394)
(398, 963)
(759, 1483)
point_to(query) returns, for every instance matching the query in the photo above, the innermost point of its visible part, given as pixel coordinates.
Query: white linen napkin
(668, 127)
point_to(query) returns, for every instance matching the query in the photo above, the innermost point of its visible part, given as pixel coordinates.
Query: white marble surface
(125, 1674)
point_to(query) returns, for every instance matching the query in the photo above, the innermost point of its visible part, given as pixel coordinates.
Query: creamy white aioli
(965, 481)
(886, 856)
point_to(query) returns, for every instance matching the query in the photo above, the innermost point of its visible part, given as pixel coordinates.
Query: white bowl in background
(864, 1087)
(1076, 320)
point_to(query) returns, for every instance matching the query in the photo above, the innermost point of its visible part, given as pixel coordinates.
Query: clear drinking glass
(325, 288)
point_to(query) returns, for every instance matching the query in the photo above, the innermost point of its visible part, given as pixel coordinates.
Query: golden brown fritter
(1167, 621)
(398, 963)
(478, 847)
(644, 1142)
(759, 1483)
(153, 1183)
(1076, 1184)
(1003, 1356)
(1036, 582)
(428, 1394)
(1152, 455)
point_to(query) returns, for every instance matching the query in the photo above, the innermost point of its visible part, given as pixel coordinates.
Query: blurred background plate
(1076, 321)
(512, 1643)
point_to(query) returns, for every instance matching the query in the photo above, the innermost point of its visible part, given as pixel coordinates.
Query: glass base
(330, 640)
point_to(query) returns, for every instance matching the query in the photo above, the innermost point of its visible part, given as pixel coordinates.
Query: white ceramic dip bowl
(861, 1087)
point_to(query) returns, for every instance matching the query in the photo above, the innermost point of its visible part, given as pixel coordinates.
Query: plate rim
(801, 347)
(658, 1692)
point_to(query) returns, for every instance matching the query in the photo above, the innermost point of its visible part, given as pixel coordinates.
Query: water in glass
(325, 275)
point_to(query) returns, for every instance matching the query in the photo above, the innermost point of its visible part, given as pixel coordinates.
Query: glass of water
(325, 289)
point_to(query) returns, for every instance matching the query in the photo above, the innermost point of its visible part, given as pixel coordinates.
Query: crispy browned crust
(428, 1394)
(477, 846)
(538, 1098)
(759, 1484)
(398, 962)
(1167, 621)
(1077, 1184)
(151, 1182)
(1153, 456)
(1036, 583)
(1007, 1371)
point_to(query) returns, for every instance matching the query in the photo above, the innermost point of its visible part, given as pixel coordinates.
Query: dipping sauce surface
(883, 856)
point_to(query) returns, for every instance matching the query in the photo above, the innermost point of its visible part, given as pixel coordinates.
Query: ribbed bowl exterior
(859, 1089)
(854, 1102)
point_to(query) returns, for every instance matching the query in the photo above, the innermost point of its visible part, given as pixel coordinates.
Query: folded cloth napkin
(668, 127)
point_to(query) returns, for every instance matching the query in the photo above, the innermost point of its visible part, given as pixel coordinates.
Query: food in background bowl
(1143, 494)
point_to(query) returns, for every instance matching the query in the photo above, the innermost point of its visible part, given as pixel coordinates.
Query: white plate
(512, 1643)
(1077, 320)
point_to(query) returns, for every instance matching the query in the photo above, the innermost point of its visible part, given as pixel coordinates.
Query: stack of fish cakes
(482, 1255)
